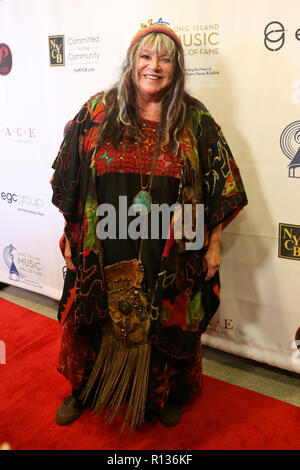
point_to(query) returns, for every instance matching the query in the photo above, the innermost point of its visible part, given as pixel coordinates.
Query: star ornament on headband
(159, 26)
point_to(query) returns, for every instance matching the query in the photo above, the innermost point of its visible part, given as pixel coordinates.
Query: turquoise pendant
(142, 202)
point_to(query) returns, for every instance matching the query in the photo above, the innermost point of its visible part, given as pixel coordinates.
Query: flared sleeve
(73, 191)
(68, 167)
(223, 190)
(71, 171)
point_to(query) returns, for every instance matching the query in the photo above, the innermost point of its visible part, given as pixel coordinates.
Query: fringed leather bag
(122, 368)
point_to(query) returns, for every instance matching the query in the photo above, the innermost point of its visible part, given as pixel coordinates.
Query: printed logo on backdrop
(289, 241)
(82, 53)
(22, 267)
(30, 205)
(201, 43)
(57, 50)
(5, 59)
(152, 23)
(275, 35)
(290, 146)
(19, 134)
(221, 328)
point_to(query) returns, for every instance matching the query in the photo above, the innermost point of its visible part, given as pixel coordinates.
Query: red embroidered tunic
(126, 159)
(121, 172)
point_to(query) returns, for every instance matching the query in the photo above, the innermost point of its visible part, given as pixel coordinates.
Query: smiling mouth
(152, 77)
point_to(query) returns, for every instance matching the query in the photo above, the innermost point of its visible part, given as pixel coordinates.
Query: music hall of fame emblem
(290, 145)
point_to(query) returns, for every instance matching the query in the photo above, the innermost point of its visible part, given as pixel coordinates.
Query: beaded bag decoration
(122, 367)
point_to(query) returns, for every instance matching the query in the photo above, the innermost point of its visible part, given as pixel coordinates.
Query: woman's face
(154, 73)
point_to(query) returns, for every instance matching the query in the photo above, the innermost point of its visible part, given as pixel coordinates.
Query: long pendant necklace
(142, 201)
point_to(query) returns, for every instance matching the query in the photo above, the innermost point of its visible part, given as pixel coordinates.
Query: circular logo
(274, 36)
(290, 139)
(5, 59)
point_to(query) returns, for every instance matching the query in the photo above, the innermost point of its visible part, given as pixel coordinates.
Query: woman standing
(133, 308)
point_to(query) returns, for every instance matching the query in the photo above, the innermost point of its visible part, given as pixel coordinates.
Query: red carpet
(225, 417)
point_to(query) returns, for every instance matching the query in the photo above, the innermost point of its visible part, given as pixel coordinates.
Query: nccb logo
(57, 50)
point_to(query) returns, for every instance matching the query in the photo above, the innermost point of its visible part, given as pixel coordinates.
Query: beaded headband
(158, 27)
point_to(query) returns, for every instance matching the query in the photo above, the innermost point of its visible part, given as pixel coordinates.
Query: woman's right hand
(68, 257)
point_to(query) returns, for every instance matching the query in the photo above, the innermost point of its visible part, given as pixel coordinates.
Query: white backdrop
(242, 61)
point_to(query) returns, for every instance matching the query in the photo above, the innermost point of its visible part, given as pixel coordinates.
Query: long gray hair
(121, 118)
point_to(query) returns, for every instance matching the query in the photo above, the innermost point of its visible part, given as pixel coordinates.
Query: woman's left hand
(212, 258)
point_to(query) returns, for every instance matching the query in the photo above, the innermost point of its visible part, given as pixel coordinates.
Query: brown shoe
(171, 414)
(69, 411)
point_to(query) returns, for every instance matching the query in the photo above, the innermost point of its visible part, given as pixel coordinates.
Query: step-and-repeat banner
(242, 61)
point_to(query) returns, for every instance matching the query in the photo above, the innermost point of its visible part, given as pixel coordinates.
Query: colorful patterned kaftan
(203, 171)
